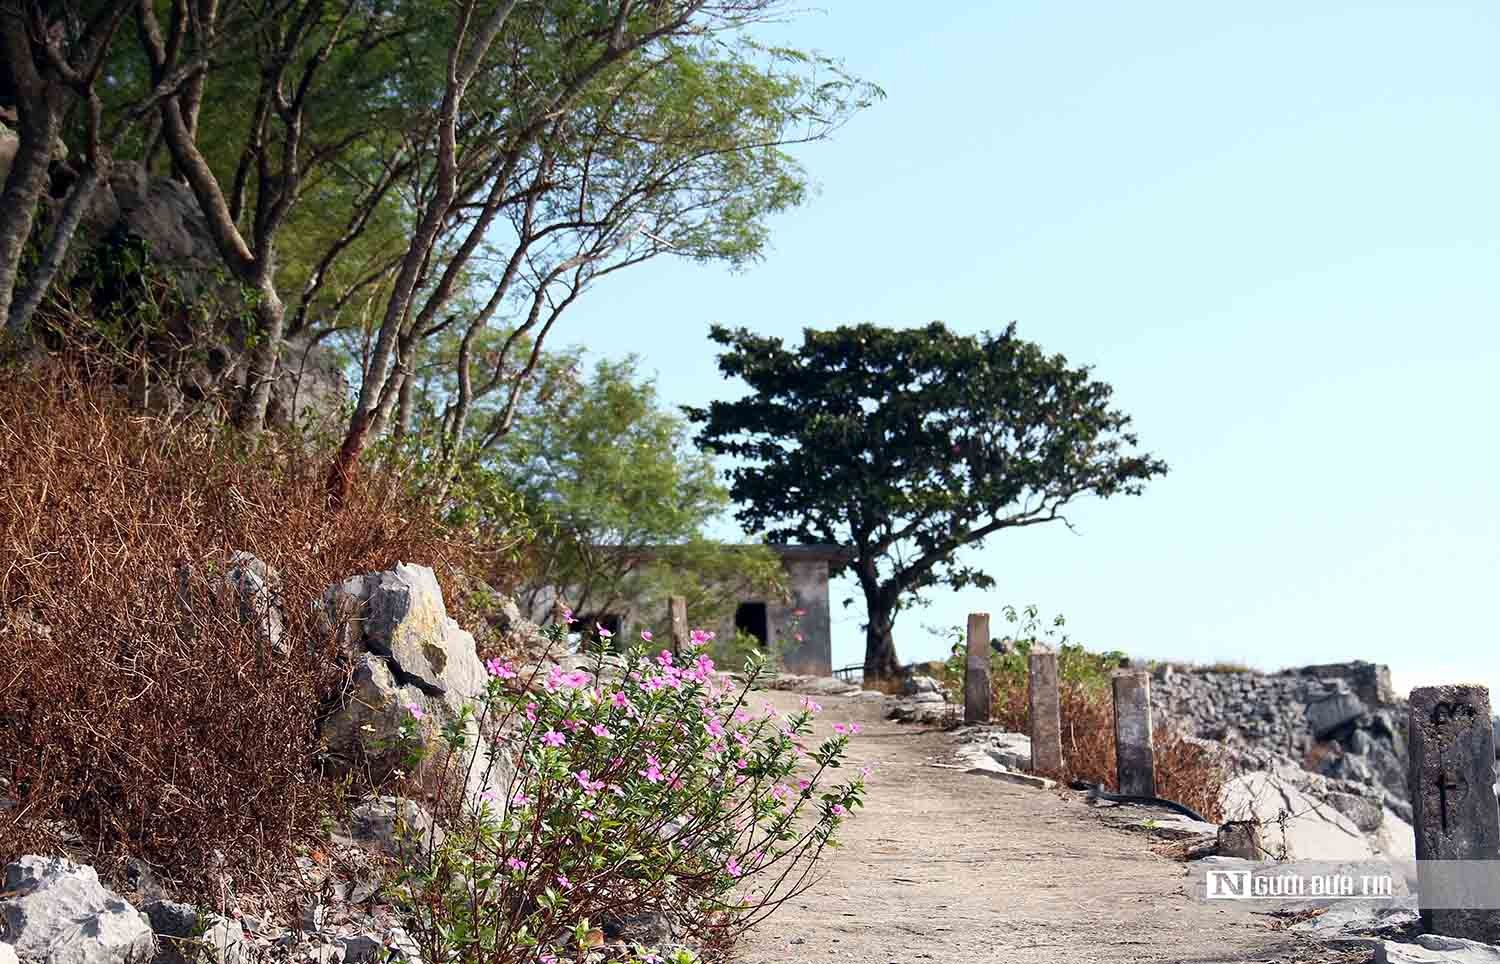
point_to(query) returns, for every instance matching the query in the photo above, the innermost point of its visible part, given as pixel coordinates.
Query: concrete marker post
(677, 614)
(977, 670)
(1135, 760)
(1046, 716)
(1454, 812)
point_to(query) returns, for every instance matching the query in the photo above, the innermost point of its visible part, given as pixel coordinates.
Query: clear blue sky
(1276, 232)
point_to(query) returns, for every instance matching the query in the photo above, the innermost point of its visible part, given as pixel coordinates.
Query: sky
(1274, 229)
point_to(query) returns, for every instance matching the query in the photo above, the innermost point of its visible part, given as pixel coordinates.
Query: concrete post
(977, 670)
(1454, 813)
(677, 613)
(1046, 719)
(1135, 761)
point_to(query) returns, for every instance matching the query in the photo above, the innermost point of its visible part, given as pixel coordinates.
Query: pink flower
(415, 711)
(865, 771)
(646, 635)
(715, 728)
(652, 773)
(515, 863)
(589, 785)
(842, 729)
(587, 815)
(803, 784)
(519, 799)
(567, 615)
(531, 712)
(811, 705)
(838, 810)
(600, 730)
(620, 699)
(665, 659)
(564, 882)
(554, 738)
(502, 670)
(603, 633)
(732, 867)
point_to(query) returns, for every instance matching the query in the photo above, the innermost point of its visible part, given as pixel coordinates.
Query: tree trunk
(39, 120)
(31, 296)
(346, 463)
(270, 318)
(880, 644)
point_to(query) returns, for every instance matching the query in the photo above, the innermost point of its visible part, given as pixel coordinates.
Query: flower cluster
(642, 784)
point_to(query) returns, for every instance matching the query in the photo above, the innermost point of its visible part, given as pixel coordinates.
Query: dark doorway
(586, 625)
(750, 618)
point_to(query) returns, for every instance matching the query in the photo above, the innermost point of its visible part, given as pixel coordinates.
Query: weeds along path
(946, 867)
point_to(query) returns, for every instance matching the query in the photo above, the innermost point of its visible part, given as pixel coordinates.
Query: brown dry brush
(1186, 771)
(140, 715)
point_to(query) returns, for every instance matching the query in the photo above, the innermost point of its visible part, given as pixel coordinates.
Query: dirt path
(949, 867)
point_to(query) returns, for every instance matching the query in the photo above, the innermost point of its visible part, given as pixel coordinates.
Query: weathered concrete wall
(807, 614)
(808, 580)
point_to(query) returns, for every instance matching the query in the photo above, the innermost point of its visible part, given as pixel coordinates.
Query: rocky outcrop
(138, 225)
(924, 702)
(1339, 720)
(54, 911)
(1436, 949)
(257, 593)
(1299, 821)
(412, 664)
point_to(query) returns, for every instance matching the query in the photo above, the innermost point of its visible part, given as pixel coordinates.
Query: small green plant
(644, 786)
(1008, 669)
(742, 646)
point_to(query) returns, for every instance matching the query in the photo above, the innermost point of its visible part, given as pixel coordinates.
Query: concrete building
(807, 613)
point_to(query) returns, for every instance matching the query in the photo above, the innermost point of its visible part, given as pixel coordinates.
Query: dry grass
(1186, 772)
(138, 710)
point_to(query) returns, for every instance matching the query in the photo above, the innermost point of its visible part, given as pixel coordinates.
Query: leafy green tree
(615, 479)
(908, 445)
(391, 172)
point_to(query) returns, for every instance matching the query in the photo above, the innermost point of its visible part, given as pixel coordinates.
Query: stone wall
(1340, 720)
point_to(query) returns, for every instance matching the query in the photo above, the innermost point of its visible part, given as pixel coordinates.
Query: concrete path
(952, 868)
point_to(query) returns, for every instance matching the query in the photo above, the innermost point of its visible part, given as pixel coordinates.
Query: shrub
(136, 707)
(648, 788)
(1186, 771)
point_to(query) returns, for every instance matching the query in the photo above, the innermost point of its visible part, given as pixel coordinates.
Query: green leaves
(911, 444)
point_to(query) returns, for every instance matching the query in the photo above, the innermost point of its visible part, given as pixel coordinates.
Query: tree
(623, 500)
(397, 171)
(908, 445)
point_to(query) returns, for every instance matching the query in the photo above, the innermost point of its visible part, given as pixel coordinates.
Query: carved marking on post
(1449, 780)
(1448, 712)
